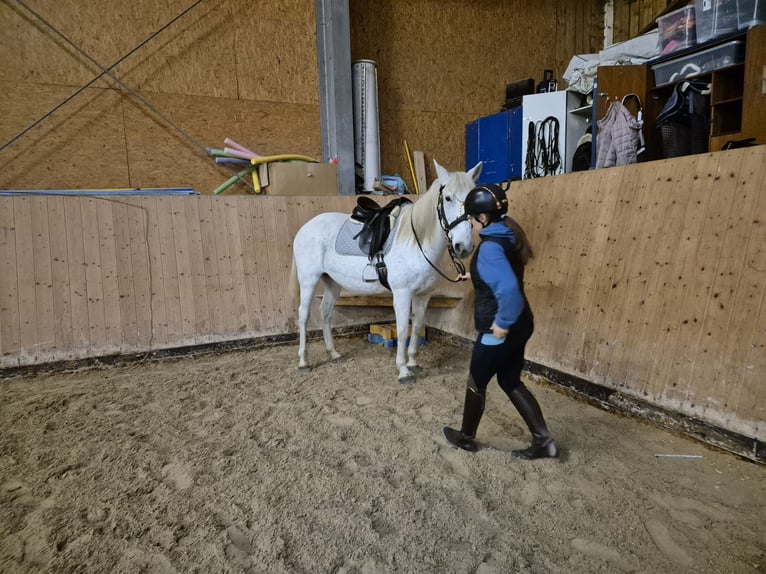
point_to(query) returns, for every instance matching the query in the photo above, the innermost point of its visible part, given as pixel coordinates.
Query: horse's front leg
(419, 306)
(402, 306)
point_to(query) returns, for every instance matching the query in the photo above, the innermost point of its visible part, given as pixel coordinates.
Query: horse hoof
(304, 369)
(415, 369)
(337, 359)
(408, 380)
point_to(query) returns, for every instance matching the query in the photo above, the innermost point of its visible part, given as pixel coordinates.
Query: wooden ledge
(377, 301)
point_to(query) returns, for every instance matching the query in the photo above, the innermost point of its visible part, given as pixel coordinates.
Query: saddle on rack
(376, 223)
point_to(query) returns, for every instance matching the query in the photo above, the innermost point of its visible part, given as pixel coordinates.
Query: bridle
(446, 228)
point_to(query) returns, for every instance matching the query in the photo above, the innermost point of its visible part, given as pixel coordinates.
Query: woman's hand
(499, 332)
(464, 277)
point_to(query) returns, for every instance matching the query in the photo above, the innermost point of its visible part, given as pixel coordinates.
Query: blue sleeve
(495, 270)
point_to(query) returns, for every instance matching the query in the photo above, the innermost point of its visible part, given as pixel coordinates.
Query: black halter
(446, 228)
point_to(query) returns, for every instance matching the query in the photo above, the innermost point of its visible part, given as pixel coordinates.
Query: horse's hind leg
(331, 293)
(308, 285)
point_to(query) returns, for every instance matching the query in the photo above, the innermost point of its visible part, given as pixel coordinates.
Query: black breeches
(505, 360)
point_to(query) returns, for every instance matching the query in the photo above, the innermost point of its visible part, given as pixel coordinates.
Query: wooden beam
(373, 301)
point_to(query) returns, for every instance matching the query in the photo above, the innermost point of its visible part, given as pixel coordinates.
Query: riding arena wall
(648, 278)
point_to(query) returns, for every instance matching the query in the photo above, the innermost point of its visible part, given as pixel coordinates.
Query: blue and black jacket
(497, 274)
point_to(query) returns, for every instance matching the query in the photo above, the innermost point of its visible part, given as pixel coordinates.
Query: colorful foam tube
(232, 143)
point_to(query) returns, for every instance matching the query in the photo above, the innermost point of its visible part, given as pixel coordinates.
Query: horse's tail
(293, 288)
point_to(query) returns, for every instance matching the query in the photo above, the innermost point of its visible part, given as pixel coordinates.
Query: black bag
(684, 121)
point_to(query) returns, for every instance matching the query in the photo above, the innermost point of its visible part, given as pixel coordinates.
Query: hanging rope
(107, 72)
(95, 79)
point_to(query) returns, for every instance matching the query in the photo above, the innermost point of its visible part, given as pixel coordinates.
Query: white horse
(425, 229)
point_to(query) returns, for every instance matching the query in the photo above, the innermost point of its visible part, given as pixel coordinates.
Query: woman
(504, 321)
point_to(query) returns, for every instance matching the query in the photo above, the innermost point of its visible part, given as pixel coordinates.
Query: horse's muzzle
(462, 250)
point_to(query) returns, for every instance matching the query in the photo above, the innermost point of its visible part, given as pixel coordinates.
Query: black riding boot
(465, 438)
(529, 409)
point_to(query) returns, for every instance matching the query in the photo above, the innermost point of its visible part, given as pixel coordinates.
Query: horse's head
(454, 189)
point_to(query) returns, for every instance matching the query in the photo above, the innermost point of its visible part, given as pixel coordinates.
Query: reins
(446, 226)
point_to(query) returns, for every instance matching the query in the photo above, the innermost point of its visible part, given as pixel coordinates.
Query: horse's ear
(441, 173)
(475, 171)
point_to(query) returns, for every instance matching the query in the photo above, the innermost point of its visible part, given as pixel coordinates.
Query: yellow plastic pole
(412, 169)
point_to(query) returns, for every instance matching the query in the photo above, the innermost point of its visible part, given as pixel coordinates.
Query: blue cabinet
(496, 141)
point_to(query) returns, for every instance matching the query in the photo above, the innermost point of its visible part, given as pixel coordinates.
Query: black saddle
(376, 224)
(376, 227)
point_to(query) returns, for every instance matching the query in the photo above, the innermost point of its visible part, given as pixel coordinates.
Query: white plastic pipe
(366, 127)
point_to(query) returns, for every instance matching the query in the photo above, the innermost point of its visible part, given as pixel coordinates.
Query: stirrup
(460, 440)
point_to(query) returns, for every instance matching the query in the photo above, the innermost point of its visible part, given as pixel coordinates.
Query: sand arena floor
(236, 462)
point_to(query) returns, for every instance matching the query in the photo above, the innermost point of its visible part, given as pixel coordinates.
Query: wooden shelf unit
(737, 94)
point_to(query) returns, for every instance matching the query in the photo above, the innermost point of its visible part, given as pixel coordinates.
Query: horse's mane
(423, 217)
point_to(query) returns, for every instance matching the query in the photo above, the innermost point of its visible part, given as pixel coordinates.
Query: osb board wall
(223, 69)
(634, 17)
(92, 276)
(651, 279)
(229, 69)
(443, 64)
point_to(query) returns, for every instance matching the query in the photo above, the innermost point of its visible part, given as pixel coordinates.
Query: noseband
(446, 228)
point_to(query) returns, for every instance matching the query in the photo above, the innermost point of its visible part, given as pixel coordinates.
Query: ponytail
(523, 248)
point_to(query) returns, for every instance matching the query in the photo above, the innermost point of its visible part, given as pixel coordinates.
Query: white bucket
(366, 129)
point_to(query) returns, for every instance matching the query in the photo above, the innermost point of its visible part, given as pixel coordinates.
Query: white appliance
(555, 124)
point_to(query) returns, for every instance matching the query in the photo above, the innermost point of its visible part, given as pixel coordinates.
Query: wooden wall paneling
(191, 214)
(46, 335)
(595, 345)
(93, 275)
(568, 16)
(9, 306)
(557, 253)
(109, 276)
(681, 318)
(639, 250)
(693, 377)
(62, 296)
(197, 55)
(186, 299)
(616, 189)
(239, 299)
(733, 294)
(212, 283)
(77, 280)
(660, 242)
(599, 201)
(747, 396)
(267, 310)
(572, 232)
(158, 311)
(169, 289)
(250, 265)
(281, 249)
(226, 293)
(79, 146)
(670, 282)
(294, 221)
(275, 51)
(138, 220)
(25, 273)
(613, 275)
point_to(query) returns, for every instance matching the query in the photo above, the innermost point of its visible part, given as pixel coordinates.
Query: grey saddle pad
(345, 244)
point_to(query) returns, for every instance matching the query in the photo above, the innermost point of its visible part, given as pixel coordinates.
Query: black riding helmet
(489, 199)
